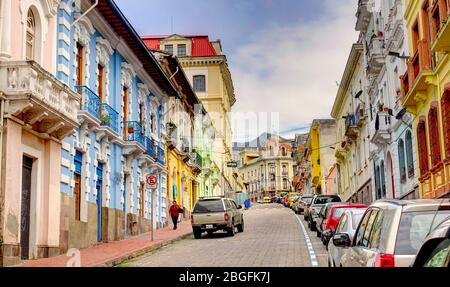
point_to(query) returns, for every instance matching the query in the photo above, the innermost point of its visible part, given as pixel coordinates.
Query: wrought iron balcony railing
(150, 146)
(109, 117)
(90, 101)
(160, 158)
(133, 132)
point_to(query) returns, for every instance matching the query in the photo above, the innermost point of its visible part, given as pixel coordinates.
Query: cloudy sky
(285, 56)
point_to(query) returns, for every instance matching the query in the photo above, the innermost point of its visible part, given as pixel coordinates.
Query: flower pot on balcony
(386, 109)
(130, 130)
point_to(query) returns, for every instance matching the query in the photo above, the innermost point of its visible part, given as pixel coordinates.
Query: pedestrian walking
(174, 212)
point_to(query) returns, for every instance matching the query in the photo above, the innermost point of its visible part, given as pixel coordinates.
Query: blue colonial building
(120, 140)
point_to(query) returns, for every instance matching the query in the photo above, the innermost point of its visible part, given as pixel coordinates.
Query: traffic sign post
(152, 184)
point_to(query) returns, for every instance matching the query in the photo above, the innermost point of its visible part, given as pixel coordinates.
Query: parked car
(296, 205)
(435, 251)
(317, 203)
(331, 219)
(304, 202)
(214, 214)
(391, 232)
(267, 200)
(323, 214)
(348, 223)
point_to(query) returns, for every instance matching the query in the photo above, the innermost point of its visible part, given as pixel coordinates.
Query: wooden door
(25, 207)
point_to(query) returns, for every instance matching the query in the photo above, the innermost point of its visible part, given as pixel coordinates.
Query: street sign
(232, 164)
(152, 182)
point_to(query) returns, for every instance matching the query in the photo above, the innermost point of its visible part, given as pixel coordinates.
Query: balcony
(375, 55)
(362, 15)
(442, 41)
(38, 99)
(160, 156)
(382, 135)
(150, 148)
(418, 77)
(134, 138)
(196, 161)
(109, 118)
(351, 129)
(90, 106)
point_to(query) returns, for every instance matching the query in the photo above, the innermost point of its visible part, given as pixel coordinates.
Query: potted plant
(105, 119)
(130, 128)
(386, 109)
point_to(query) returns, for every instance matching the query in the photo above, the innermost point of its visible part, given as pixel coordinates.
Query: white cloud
(293, 69)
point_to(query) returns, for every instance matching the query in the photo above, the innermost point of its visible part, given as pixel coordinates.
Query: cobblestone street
(273, 237)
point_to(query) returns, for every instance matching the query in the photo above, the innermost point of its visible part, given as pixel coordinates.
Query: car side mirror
(342, 240)
(327, 233)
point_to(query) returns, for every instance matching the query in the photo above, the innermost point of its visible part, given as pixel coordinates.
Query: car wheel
(309, 224)
(210, 233)
(241, 226)
(197, 234)
(318, 233)
(313, 226)
(231, 230)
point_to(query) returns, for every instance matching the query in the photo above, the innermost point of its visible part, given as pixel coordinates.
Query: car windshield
(325, 200)
(414, 227)
(209, 206)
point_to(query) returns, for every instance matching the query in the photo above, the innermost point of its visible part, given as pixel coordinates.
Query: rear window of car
(307, 200)
(325, 200)
(338, 211)
(414, 228)
(209, 206)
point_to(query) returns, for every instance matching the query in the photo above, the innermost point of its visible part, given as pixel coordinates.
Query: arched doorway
(390, 174)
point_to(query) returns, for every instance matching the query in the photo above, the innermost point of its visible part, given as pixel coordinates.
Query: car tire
(197, 234)
(309, 224)
(231, 231)
(318, 233)
(313, 226)
(210, 232)
(240, 227)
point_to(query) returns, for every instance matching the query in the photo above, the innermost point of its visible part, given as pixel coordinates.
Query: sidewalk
(114, 253)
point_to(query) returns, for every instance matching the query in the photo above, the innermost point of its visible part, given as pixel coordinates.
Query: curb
(122, 259)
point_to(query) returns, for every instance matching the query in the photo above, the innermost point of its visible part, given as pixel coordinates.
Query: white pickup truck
(214, 214)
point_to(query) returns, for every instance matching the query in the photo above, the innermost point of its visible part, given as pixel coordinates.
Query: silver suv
(214, 214)
(391, 232)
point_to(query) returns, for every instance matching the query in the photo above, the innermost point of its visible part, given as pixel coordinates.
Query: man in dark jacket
(174, 212)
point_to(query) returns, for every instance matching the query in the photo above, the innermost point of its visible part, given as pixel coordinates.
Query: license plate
(209, 226)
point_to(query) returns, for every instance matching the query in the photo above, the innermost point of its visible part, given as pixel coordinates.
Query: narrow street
(273, 237)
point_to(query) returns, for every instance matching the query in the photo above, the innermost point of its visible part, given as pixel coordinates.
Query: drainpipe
(85, 13)
(2, 113)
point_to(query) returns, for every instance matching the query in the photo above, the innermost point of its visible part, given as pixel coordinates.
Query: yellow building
(183, 161)
(319, 155)
(207, 69)
(426, 91)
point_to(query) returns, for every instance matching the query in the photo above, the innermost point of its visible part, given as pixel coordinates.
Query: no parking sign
(152, 182)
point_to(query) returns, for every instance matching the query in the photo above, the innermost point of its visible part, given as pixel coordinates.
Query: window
(402, 162)
(152, 123)
(409, 154)
(433, 125)
(168, 49)
(440, 255)
(435, 20)
(142, 116)
(369, 227)
(78, 161)
(125, 109)
(446, 119)
(341, 225)
(285, 169)
(283, 151)
(100, 82)
(362, 229)
(383, 180)
(423, 148)
(414, 227)
(376, 231)
(199, 83)
(181, 50)
(31, 36)
(79, 59)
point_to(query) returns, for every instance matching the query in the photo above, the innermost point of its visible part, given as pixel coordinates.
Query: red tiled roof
(201, 46)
